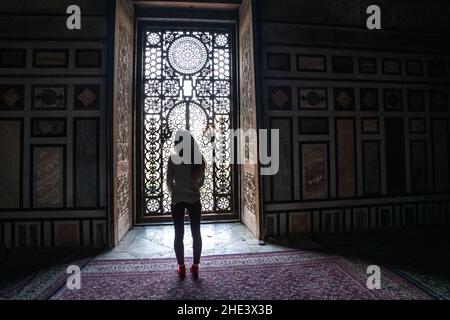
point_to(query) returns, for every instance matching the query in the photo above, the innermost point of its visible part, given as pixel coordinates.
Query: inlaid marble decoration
(86, 97)
(88, 58)
(344, 99)
(51, 58)
(48, 176)
(300, 223)
(313, 125)
(414, 68)
(369, 99)
(346, 157)
(10, 163)
(393, 100)
(416, 100)
(370, 125)
(368, 65)
(12, 97)
(438, 100)
(48, 127)
(315, 171)
(278, 61)
(313, 99)
(49, 97)
(371, 167)
(342, 64)
(86, 166)
(315, 63)
(66, 234)
(392, 67)
(12, 58)
(280, 98)
(282, 181)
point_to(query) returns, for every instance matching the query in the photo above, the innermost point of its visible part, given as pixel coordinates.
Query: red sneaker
(182, 271)
(194, 270)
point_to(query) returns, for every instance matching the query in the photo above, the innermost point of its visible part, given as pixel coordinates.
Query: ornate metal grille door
(187, 84)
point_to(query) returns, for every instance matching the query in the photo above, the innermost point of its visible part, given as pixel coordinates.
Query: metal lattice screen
(187, 85)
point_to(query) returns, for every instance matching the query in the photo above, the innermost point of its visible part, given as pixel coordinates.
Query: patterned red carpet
(282, 275)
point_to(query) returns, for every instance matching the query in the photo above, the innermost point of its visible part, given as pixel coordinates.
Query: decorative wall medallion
(342, 64)
(49, 97)
(313, 126)
(279, 61)
(392, 67)
(344, 98)
(370, 125)
(414, 68)
(13, 58)
(51, 58)
(11, 97)
(393, 100)
(311, 63)
(187, 55)
(438, 100)
(416, 100)
(369, 99)
(313, 98)
(87, 97)
(48, 127)
(280, 98)
(368, 65)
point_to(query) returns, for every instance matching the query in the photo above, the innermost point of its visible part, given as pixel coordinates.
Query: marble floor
(157, 242)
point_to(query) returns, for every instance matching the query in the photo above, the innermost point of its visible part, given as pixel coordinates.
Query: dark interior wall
(53, 123)
(363, 115)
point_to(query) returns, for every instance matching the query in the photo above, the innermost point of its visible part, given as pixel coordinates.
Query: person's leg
(195, 217)
(178, 222)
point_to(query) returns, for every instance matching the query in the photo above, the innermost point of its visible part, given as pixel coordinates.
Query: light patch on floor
(157, 242)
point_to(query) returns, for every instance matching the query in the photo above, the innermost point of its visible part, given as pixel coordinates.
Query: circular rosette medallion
(187, 55)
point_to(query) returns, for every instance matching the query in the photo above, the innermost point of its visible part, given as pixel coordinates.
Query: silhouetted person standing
(185, 177)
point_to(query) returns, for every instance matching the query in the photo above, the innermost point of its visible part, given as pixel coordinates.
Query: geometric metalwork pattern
(187, 85)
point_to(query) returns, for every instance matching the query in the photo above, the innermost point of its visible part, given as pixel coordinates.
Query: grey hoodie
(181, 184)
